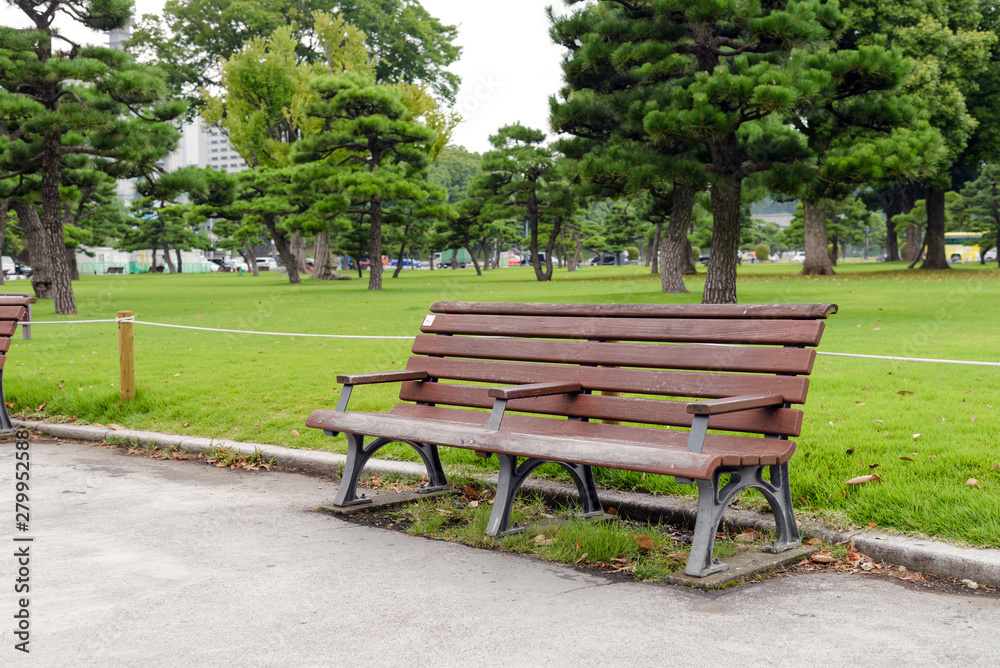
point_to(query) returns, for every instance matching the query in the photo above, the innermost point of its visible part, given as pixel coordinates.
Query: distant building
(117, 38)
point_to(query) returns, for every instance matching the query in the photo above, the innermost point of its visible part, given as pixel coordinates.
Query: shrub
(762, 252)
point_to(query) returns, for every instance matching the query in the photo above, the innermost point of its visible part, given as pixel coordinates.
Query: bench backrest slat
(781, 421)
(12, 312)
(689, 330)
(639, 381)
(7, 327)
(740, 311)
(796, 361)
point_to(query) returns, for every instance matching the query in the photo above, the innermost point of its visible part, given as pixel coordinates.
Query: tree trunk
(41, 277)
(322, 267)
(248, 256)
(574, 259)
(74, 270)
(653, 260)
(914, 243)
(299, 252)
(720, 282)
(934, 237)
(154, 260)
(280, 238)
(180, 265)
(166, 257)
(556, 228)
(892, 206)
(375, 247)
(62, 284)
(673, 244)
(4, 207)
(475, 262)
(817, 262)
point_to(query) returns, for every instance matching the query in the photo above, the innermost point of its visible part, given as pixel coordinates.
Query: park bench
(14, 309)
(623, 386)
(115, 270)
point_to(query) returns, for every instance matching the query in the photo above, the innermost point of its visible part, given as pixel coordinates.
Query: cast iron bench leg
(713, 501)
(358, 455)
(6, 426)
(512, 476)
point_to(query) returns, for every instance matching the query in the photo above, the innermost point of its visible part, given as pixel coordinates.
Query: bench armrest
(383, 377)
(733, 404)
(533, 390)
(503, 394)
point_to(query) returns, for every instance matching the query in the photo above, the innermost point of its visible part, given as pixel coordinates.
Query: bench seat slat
(635, 381)
(691, 330)
(736, 450)
(780, 421)
(4, 344)
(7, 327)
(591, 451)
(742, 311)
(795, 361)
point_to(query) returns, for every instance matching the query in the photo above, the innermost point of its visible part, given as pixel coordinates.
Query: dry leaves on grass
(861, 480)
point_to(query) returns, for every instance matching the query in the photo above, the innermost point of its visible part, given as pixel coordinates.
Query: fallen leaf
(823, 557)
(41, 407)
(295, 432)
(186, 424)
(872, 524)
(860, 403)
(644, 542)
(906, 459)
(115, 427)
(996, 468)
(748, 535)
(860, 480)
(873, 466)
(879, 421)
(582, 557)
(677, 555)
(877, 329)
(916, 436)
(473, 504)
(850, 451)
(10, 404)
(176, 374)
(971, 584)
(971, 482)
(904, 392)
(611, 511)
(973, 417)
(470, 492)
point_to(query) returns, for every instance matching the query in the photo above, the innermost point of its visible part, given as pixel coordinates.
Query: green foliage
(762, 252)
(981, 201)
(192, 37)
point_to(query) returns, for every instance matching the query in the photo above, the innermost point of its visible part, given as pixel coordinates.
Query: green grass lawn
(925, 429)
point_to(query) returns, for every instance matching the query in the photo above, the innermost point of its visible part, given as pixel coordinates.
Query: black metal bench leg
(512, 475)
(358, 455)
(6, 426)
(713, 501)
(779, 495)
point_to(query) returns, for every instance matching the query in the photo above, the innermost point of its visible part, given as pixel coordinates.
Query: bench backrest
(647, 353)
(13, 310)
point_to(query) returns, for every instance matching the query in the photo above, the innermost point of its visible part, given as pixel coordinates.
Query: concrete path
(143, 562)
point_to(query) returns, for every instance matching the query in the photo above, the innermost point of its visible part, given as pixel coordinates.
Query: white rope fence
(406, 338)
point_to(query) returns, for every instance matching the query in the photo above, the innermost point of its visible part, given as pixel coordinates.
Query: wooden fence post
(126, 356)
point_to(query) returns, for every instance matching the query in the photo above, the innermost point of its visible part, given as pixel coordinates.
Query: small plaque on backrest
(428, 321)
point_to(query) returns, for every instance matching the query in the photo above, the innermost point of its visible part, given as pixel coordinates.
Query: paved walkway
(143, 562)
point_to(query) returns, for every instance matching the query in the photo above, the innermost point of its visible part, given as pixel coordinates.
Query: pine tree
(370, 155)
(982, 201)
(84, 99)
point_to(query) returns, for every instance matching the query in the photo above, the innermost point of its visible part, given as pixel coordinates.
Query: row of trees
(675, 116)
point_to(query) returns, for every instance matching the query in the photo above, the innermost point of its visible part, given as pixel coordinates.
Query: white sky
(509, 66)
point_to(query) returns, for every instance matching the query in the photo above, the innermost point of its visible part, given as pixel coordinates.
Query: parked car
(267, 264)
(604, 258)
(704, 258)
(233, 264)
(7, 264)
(991, 255)
(799, 257)
(408, 262)
(881, 258)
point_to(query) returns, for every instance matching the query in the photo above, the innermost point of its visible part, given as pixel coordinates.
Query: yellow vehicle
(962, 246)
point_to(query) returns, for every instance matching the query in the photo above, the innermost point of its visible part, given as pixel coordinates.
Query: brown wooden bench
(535, 371)
(14, 309)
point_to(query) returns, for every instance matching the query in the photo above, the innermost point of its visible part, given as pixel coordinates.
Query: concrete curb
(918, 554)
